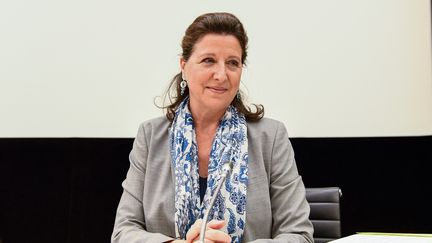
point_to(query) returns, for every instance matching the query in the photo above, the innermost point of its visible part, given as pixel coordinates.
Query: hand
(213, 233)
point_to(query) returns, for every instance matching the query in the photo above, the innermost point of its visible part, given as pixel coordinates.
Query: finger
(217, 236)
(216, 224)
(194, 231)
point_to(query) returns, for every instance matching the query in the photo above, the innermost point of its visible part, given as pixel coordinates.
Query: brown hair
(218, 23)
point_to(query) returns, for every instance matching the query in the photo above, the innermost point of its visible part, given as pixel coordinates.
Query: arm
(290, 210)
(130, 226)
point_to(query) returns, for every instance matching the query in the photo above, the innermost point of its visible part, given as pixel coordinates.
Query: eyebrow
(213, 55)
(207, 54)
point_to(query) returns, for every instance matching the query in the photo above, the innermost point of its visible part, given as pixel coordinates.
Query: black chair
(325, 213)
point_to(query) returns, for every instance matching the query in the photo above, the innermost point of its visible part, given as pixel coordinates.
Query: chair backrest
(325, 212)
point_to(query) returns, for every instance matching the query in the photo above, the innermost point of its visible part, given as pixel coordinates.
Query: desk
(386, 238)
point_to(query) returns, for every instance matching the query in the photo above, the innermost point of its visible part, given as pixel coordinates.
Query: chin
(217, 106)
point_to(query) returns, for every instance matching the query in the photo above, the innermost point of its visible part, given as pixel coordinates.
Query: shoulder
(153, 128)
(264, 123)
(155, 124)
(266, 127)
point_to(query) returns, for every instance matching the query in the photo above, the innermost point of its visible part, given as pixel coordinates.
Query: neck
(206, 119)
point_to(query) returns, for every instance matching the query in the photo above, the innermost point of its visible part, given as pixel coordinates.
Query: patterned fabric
(230, 144)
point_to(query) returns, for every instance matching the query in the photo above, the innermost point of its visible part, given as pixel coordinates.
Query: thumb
(216, 224)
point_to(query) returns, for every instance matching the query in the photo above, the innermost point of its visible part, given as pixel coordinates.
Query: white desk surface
(384, 238)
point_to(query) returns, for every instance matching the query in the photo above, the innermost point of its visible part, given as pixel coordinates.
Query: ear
(182, 64)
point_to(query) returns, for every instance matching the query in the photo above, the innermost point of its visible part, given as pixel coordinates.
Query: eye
(234, 63)
(208, 60)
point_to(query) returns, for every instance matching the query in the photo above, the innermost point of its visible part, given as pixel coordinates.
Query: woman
(176, 161)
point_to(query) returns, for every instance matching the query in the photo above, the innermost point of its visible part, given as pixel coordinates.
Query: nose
(220, 73)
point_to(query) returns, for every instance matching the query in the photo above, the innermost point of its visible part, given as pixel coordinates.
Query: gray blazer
(276, 209)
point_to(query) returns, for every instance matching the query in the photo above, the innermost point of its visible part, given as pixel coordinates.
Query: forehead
(218, 43)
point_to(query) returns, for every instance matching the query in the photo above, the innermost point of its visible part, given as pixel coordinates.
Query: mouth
(218, 90)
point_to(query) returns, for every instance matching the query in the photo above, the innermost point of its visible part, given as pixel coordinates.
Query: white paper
(382, 239)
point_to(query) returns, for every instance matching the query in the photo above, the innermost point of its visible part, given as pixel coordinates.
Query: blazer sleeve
(290, 210)
(130, 225)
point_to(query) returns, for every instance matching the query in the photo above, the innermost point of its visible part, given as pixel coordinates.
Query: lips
(218, 90)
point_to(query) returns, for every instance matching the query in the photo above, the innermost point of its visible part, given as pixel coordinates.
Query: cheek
(236, 80)
(198, 76)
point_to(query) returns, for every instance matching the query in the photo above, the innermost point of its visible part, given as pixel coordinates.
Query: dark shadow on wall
(60, 190)
(385, 181)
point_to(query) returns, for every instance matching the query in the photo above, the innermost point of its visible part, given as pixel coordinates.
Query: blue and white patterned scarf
(230, 144)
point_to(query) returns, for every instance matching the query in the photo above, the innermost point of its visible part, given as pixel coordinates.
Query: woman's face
(213, 73)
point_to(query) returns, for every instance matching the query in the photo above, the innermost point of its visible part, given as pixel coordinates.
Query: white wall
(89, 68)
